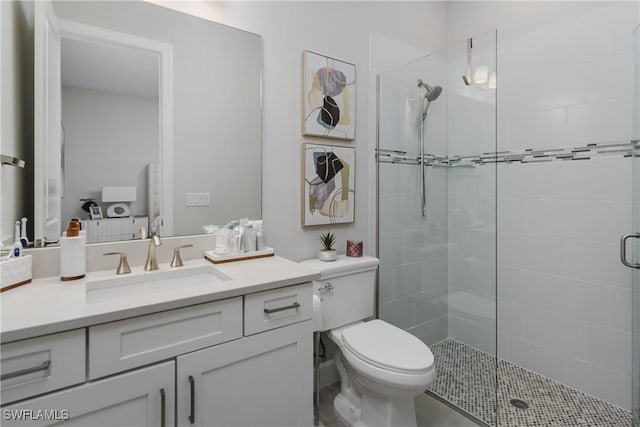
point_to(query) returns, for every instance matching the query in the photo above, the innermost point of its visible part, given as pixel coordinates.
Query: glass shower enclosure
(635, 135)
(437, 213)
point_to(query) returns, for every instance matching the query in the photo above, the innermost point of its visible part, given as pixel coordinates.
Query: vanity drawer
(276, 308)
(126, 344)
(40, 365)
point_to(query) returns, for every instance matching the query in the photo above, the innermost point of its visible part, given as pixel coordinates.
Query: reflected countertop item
(49, 305)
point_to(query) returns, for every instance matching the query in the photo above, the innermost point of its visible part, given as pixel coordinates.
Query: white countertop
(49, 305)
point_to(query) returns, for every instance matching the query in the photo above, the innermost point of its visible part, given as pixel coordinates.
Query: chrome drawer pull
(286, 307)
(192, 400)
(26, 371)
(162, 407)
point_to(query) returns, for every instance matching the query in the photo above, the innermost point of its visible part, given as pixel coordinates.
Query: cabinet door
(261, 380)
(144, 397)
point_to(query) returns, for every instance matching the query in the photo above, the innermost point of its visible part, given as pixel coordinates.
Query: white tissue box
(15, 272)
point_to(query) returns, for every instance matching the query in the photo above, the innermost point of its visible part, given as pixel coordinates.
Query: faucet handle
(176, 261)
(123, 265)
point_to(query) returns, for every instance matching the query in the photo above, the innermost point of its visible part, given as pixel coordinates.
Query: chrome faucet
(152, 263)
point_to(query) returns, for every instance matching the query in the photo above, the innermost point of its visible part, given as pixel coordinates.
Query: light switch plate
(198, 199)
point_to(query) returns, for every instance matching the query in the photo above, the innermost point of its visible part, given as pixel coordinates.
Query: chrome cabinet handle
(26, 371)
(623, 249)
(192, 403)
(286, 307)
(162, 407)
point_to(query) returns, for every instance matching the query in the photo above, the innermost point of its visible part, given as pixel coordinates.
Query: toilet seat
(387, 347)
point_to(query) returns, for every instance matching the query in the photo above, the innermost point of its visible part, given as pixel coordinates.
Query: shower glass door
(437, 215)
(635, 136)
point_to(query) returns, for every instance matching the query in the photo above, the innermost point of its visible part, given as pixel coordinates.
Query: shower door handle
(623, 249)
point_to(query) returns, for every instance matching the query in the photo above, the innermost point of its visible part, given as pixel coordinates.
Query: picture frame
(328, 184)
(328, 97)
(95, 212)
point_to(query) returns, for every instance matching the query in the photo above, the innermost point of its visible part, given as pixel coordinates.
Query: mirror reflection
(110, 139)
(159, 118)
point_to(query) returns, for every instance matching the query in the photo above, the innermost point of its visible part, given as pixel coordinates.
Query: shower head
(433, 92)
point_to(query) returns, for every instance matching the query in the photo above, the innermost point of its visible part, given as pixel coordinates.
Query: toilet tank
(346, 289)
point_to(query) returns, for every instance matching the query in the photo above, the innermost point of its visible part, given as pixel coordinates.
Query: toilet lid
(386, 346)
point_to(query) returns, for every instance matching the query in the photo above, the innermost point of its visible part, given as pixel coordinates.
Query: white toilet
(381, 367)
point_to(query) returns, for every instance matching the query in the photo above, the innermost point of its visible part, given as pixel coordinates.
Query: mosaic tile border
(467, 379)
(618, 149)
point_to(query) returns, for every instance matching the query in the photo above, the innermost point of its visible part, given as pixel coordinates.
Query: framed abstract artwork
(328, 185)
(329, 97)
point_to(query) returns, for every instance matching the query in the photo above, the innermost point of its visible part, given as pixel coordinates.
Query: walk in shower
(499, 242)
(437, 214)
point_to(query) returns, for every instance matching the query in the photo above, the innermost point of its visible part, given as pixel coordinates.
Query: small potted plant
(327, 253)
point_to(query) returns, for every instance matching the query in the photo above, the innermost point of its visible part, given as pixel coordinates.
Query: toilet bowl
(381, 367)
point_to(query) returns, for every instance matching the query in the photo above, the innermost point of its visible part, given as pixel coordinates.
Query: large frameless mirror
(151, 115)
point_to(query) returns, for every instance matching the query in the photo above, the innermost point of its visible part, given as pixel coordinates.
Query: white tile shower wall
(564, 79)
(413, 252)
(472, 256)
(563, 296)
(548, 93)
(471, 203)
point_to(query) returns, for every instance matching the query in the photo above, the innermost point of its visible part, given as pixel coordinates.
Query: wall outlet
(198, 199)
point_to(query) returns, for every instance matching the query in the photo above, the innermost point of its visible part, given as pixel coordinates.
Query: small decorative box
(15, 272)
(354, 248)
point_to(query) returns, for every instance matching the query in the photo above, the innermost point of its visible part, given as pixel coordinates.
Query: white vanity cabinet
(140, 398)
(242, 361)
(261, 380)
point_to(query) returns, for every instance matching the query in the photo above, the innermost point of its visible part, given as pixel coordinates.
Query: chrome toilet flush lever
(328, 287)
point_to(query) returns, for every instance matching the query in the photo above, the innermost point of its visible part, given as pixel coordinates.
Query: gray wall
(109, 139)
(16, 122)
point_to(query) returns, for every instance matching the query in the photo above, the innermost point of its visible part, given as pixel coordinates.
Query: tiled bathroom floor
(467, 377)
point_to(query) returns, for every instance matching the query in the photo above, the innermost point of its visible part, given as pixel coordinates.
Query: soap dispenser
(73, 257)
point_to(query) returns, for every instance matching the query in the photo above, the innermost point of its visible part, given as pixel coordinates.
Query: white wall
(341, 30)
(109, 140)
(16, 122)
(564, 80)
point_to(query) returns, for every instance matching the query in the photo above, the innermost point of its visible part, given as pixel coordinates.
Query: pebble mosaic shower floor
(467, 378)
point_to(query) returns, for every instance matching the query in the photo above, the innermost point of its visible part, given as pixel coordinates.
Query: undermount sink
(152, 282)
